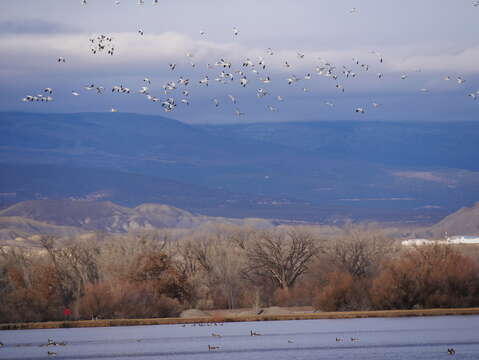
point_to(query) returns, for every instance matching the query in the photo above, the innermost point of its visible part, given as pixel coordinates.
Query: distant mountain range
(66, 218)
(317, 172)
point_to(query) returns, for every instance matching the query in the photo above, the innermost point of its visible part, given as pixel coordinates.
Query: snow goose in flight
(424, 90)
(113, 110)
(243, 81)
(185, 101)
(376, 105)
(330, 104)
(216, 102)
(235, 31)
(232, 98)
(238, 112)
(269, 51)
(204, 81)
(460, 80)
(300, 55)
(182, 81)
(74, 93)
(380, 75)
(61, 59)
(261, 63)
(280, 98)
(141, 32)
(172, 66)
(48, 90)
(272, 108)
(247, 63)
(292, 79)
(223, 63)
(265, 80)
(380, 57)
(359, 110)
(148, 81)
(261, 93)
(404, 77)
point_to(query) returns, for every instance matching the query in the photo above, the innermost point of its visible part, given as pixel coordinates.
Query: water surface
(377, 338)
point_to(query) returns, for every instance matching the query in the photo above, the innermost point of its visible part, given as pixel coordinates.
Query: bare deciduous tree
(359, 250)
(280, 258)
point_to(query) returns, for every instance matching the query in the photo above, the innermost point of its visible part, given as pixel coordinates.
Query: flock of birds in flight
(250, 71)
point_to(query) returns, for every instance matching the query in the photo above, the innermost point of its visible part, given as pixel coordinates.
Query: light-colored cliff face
(71, 217)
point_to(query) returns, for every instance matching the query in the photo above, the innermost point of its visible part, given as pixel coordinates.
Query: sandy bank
(238, 316)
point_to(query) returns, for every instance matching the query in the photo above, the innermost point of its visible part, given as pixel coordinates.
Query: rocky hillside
(463, 222)
(70, 217)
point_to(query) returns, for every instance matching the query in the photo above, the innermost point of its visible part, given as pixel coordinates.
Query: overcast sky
(427, 40)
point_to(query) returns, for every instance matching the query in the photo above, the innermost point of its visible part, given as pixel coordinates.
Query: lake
(376, 338)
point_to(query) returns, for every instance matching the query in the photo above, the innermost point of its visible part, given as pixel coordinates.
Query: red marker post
(67, 312)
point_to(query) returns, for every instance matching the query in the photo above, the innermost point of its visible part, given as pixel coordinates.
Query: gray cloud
(35, 26)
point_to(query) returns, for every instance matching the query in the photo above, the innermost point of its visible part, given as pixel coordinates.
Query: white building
(417, 242)
(462, 239)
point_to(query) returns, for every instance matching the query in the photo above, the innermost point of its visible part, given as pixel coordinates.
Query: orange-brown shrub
(33, 298)
(299, 295)
(342, 293)
(126, 300)
(429, 276)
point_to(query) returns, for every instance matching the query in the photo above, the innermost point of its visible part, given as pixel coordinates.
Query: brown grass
(216, 319)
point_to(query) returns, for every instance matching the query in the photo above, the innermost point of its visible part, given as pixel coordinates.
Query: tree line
(159, 273)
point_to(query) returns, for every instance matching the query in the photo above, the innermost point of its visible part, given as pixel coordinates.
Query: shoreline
(232, 318)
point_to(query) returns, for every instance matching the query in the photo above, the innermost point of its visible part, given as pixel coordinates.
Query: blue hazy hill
(312, 171)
